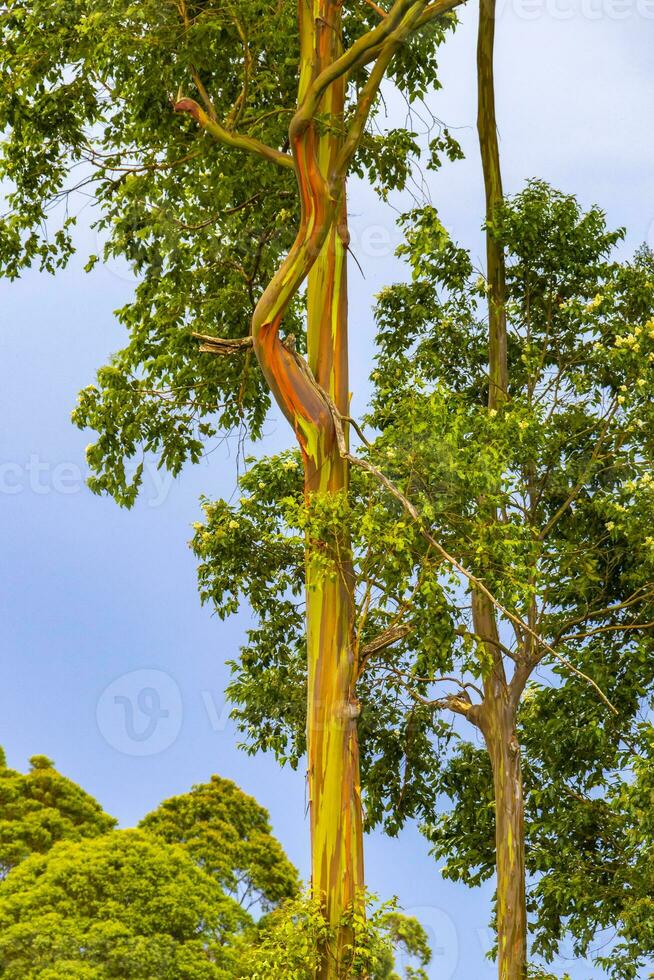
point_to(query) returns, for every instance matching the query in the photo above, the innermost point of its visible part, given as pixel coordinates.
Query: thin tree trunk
(497, 717)
(504, 752)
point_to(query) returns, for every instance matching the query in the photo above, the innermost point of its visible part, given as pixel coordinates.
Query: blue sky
(99, 603)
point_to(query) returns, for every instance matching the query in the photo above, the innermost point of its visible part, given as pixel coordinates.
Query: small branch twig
(464, 685)
(378, 10)
(237, 140)
(461, 705)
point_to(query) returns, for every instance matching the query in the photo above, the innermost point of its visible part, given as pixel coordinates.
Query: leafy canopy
(125, 904)
(175, 899)
(41, 808)
(228, 835)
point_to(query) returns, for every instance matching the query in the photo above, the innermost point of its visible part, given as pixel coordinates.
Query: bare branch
(377, 8)
(370, 47)
(223, 346)
(384, 640)
(464, 685)
(611, 628)
(393, 40)
(640, 595)
(357, 428)
(239, 105)
(576, 490)
(460, 704)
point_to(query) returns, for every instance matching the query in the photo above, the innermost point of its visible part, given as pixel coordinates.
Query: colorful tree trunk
(498, 713)
(490, 158)
(332, 709)
(504, 750)
(496, 718)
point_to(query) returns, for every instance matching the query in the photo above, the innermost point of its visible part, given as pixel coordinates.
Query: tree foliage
(125, 904)
(202, 223)
(228, 835)
(41, 808)
(548, 503)
(293, 936)
(201, 890)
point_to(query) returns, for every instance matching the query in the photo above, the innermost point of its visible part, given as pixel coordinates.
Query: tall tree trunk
(497, 717)
(307, 394)
(310, 395)
(333, 770)
(333, 752)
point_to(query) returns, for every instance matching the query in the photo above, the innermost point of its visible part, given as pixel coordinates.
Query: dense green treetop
(175, 899)
(228, 835)
(123, 905)
(41, 808)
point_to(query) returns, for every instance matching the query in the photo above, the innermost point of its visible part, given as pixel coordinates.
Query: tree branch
(378, 10)
(640, 595)
(460, 704)
(464, 685)
(236, 140)
(611, 628)
(223, 346)
(576, 490)
(370, 47)
(384, 640)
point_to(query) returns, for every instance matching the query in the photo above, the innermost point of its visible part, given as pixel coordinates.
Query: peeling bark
(337, 873)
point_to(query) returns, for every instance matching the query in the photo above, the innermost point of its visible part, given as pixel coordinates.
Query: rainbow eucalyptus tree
(216, 140)
(542, 509)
